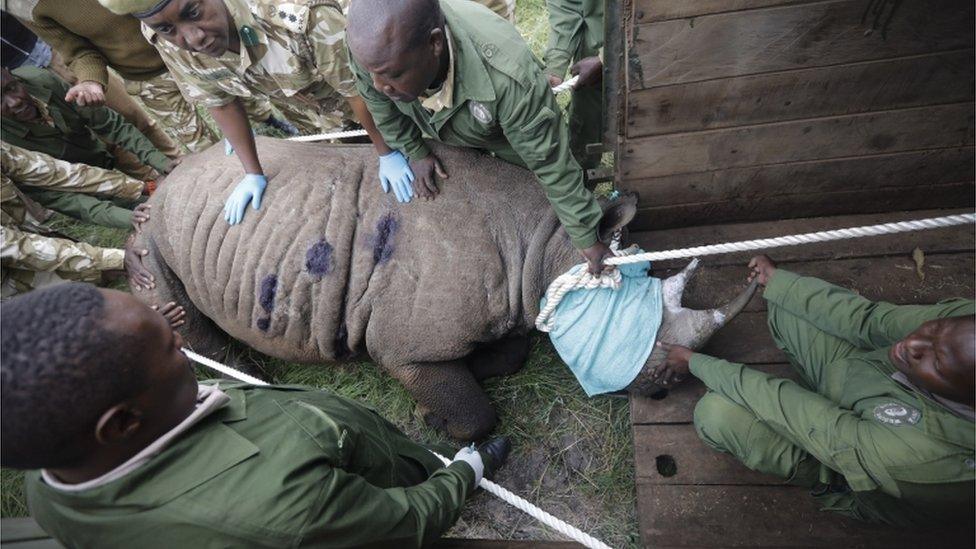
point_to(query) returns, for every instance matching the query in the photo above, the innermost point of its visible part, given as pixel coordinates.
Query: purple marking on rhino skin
(382, 241)
(267, 296)
(318, 259)
(264, 323)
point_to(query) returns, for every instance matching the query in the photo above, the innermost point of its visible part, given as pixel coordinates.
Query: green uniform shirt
(923, 457)
(502, 104)
(72, 137)
(276, 467)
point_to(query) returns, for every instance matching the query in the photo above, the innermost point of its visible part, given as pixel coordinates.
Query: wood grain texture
(778, 207)
(948, 239)
(765, 516)
(934, 127)
(689, 460)
(862, 173)
(649, 11)
(678, 405)
(804, 93)
(789, 37)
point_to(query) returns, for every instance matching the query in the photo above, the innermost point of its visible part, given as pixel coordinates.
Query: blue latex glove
(250, 190)
(396, 172)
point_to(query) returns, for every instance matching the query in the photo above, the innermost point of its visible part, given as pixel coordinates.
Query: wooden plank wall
(764, 109)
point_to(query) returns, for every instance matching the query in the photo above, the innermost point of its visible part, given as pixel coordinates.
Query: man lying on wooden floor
(880, 425)
(97, 392)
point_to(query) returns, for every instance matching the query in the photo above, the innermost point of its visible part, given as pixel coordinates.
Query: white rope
(514, 500)
(567, 283)
(565, 86)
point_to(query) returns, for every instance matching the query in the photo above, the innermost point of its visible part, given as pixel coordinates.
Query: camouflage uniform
(293, 53)
(31, 260)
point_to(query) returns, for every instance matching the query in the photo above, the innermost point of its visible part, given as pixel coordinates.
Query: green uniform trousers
(824, 436)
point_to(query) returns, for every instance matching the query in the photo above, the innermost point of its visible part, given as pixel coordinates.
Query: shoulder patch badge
(896, 413)
(480, 112)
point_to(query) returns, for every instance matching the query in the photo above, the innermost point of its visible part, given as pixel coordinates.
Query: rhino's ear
(617, 214)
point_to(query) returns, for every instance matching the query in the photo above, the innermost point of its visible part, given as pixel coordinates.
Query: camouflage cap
(136, 8)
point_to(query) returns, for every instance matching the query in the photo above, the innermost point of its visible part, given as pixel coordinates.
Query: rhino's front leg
(448, 398)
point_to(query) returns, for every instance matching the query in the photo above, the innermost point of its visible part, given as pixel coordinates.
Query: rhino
(441, 294)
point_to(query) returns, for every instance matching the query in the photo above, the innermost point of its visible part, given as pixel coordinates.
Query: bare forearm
(366, 119)
(232, 120)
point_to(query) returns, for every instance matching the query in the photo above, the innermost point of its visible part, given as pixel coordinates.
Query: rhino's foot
(449, 398)
(499, 358)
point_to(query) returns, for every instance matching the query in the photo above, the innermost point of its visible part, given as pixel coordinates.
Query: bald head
(384, 28)
(400, 42)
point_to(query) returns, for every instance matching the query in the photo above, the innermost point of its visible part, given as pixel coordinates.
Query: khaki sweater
(91, 38)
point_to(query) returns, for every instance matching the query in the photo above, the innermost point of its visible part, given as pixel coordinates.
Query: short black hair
(60, 369)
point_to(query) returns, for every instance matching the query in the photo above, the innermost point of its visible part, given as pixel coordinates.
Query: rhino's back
(329, 256)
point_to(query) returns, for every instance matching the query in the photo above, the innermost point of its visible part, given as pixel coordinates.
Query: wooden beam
(649, 11)
(916, 129)
(678, 404)
(951, 239)
(834, 203)
(789, 37)
(765, 516)
(892, 279)
(931, 79)
(862, 173)
(674, 454)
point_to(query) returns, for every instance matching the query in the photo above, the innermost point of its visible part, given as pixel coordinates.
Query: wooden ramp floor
(691, 496)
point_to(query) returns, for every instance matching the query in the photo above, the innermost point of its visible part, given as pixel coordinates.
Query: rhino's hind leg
(499, 358)
(448, 398)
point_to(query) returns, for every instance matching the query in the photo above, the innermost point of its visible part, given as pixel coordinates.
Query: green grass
(573, 455)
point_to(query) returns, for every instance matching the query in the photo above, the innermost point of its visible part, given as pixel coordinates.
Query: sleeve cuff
(709, 369)
(88, 69)
(112, 259)
(158, 160)
(416, 150)
(557, 62)
(466, 471)
(778, 287)
(585, 241)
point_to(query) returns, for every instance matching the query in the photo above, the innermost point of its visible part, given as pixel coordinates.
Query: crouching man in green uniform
(880, 426)
(133, 452)
(455, 72)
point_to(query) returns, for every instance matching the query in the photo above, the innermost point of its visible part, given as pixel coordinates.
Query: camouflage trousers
(31, 261)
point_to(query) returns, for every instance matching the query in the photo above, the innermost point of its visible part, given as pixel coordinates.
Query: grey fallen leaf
(919, 256)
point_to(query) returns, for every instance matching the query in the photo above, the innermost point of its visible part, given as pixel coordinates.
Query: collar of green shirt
(203, 452)
(470, 73)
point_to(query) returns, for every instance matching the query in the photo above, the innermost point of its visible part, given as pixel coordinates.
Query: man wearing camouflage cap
(221, 50)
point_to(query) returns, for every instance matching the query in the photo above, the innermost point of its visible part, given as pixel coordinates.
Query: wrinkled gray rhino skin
(441, 293)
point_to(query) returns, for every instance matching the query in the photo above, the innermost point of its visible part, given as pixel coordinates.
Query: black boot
(282, 125)
(493, 454)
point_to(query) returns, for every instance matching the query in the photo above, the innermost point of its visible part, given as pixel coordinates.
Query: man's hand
(139, 276)
(590, 71)
(675, 367)
(423, 170)
(87, 94)
(763, 268)
(395, 172)
(554, 80)
(140, 215)
(173, 313)
(248, 191)
(595, 255)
